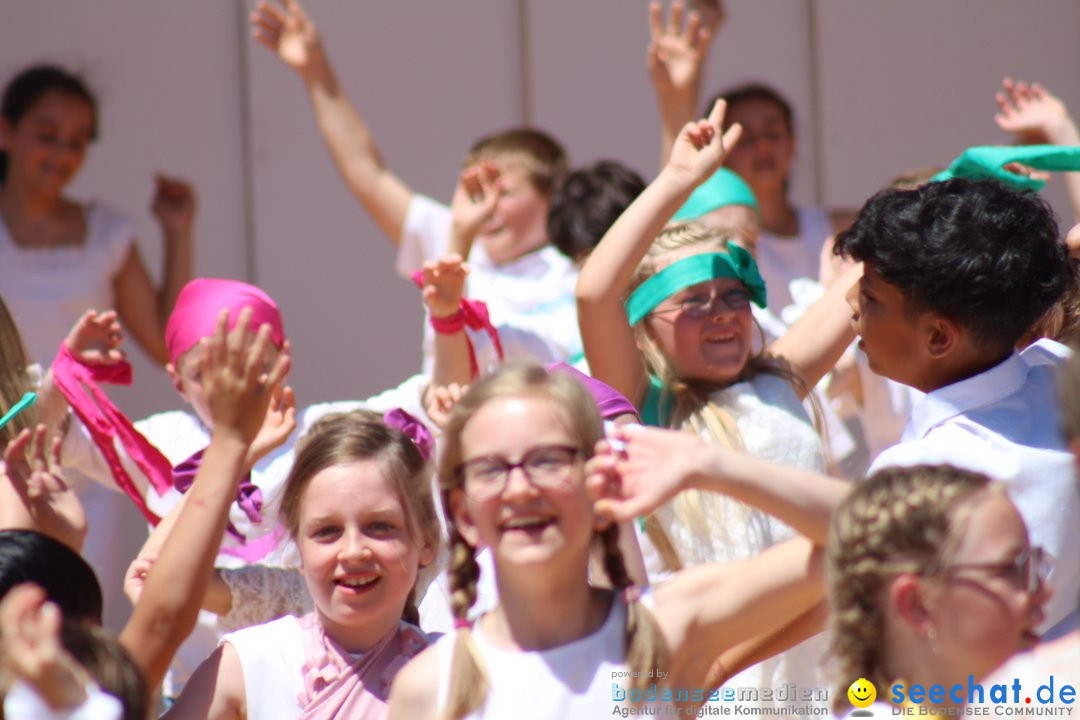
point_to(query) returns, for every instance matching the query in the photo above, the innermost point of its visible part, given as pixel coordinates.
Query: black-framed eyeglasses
(1030, 569)
(708, 303)
(546, 467)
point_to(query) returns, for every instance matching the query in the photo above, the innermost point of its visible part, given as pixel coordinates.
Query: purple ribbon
(248, 495)
(414, 429)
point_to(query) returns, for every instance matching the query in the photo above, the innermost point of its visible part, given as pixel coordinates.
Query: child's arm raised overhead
(675, 59)
(290, 33)
(816, 341)
(1037, 116)
(239, 393)
(605, 333)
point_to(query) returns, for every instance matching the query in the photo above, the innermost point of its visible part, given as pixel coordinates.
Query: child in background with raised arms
(527, 283)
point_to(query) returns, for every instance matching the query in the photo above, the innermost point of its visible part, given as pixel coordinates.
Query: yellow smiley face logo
(862, 693)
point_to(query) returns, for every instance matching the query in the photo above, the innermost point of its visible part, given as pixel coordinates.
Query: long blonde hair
(14, 379)
(897, 520)
(645, 648)
(341, 438)
(692, 406)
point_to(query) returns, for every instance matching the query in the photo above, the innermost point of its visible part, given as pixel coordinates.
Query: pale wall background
(878, 88)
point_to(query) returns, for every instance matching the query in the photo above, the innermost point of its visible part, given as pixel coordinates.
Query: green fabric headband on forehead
(986, 162)
(735, 263)
(724, 188)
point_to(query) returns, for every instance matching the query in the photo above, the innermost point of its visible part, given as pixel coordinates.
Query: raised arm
(605, 333)
(239, 393)
(1037, 116)
(675, 59)
(292, 36)
(816, 341)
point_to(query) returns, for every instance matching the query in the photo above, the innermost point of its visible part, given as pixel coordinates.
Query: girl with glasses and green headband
(665, 319)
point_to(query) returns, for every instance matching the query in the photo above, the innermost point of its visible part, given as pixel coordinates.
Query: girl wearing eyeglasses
(680, 348)
(931, 579)
(513, 479)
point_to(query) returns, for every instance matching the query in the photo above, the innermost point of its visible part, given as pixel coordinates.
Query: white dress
(782, 259)
(774, 426)
(271, 656)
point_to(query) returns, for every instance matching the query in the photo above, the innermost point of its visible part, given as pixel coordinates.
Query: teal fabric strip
(986, 162)
(735, 263)
(26, 401)
(722, 189)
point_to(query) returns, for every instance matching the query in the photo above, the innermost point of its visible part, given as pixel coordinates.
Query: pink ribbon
(472, 314)
(413, 429)
(104, 422)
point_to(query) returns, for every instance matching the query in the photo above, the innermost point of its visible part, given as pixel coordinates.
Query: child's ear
(907, 602)
(943, 336)
(174, 376)
(427, 553)
(463, 519)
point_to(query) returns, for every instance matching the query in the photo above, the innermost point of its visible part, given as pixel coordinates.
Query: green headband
(986, 162)
(722, 189)
(735, 263)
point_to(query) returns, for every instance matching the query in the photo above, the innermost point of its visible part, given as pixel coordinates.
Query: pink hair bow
(414, 429)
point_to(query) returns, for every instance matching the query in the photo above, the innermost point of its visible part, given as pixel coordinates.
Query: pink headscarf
(199, 302)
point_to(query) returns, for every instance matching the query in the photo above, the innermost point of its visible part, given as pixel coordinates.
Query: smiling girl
(358, 505)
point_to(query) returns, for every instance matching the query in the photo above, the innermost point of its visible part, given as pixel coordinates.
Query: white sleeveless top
(774, 426)
(48, 289)
(782, 259)
(271, 656)
(578, 680)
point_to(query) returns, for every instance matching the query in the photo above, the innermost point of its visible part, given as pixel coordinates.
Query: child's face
(706, 330)
(187, 378)
(892, 339)
(547, 526)
(356, 552)
(519, 224)
(981, 606)
(762, 157)
(47, 146)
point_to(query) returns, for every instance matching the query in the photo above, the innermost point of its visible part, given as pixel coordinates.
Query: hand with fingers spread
(34, 494)
(278, 425)
(95, 338)
(676, 55)
(1034, 114)
(443, 284)
(651, 468)
(702, 145)
(233, 370)
(31, 650)
(287, 30)
(475, 199)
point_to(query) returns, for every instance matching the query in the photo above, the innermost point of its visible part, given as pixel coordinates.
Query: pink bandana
(104, 421)
(339, 685)
(198, 304)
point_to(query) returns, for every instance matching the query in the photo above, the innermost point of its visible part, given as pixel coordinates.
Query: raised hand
(34, 494)
(443, 285)
(475, 199)
(174, 206)
(95, 338)
(289, 32)
(1033, 113)
(238, 389)
(278, 425)
(31, 650)
(440, 400)
(135, 577)
(676, 53)
(702, 145)
(650, 468)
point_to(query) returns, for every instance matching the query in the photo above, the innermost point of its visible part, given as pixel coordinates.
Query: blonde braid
(645, 646)
(898, 520)
(468, 680)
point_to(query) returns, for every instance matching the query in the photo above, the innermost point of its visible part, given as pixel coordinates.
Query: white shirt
(782, 259)
(1004, 422)
(530, 299)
